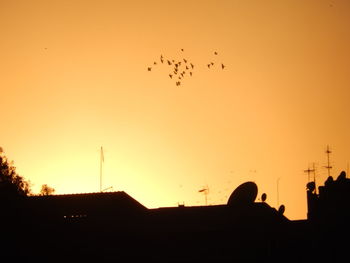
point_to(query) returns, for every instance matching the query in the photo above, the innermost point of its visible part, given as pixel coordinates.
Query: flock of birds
(181, 68)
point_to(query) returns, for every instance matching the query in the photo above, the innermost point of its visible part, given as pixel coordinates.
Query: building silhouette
(114, 227)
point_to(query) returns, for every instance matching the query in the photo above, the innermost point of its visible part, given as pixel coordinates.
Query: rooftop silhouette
(111, 226)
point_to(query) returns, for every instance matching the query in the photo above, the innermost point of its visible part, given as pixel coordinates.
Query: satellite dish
(244, 194)
(263, 197)
(281, 209)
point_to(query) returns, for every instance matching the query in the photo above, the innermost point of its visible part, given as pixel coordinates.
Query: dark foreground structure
(113, 227)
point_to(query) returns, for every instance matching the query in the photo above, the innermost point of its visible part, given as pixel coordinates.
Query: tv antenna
(328, 167)
(205, 191)
(309, 171)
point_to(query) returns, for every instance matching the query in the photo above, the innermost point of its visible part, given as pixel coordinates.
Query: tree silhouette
(11, 184)
(46, 190)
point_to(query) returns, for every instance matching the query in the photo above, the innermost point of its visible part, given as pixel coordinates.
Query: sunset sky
(73, 78)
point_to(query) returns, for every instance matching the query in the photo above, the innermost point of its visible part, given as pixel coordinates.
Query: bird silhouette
(180, 66)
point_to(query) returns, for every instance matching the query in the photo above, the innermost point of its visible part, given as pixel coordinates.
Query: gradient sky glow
(73, 77)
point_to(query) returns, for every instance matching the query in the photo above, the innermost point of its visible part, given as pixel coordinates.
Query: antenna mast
(314, 171)
(308, 171)
(328, 167)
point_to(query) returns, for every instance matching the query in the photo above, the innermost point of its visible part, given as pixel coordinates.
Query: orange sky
(74, 77)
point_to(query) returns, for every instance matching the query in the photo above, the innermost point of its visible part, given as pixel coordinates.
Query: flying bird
(185, 60)
(191, 65)
(190, 73)
(171, 76)
(169, 63)
(222, 66)
(182, 49)
(155, 63)
(149, 68)
(212, 63)
(208, 65)
(215, 53)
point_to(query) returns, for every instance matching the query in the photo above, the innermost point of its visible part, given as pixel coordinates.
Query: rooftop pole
(329, 167)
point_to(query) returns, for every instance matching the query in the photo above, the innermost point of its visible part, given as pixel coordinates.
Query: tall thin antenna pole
(101, 162)
(329, 167)
(347, 169)
(314, 171)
